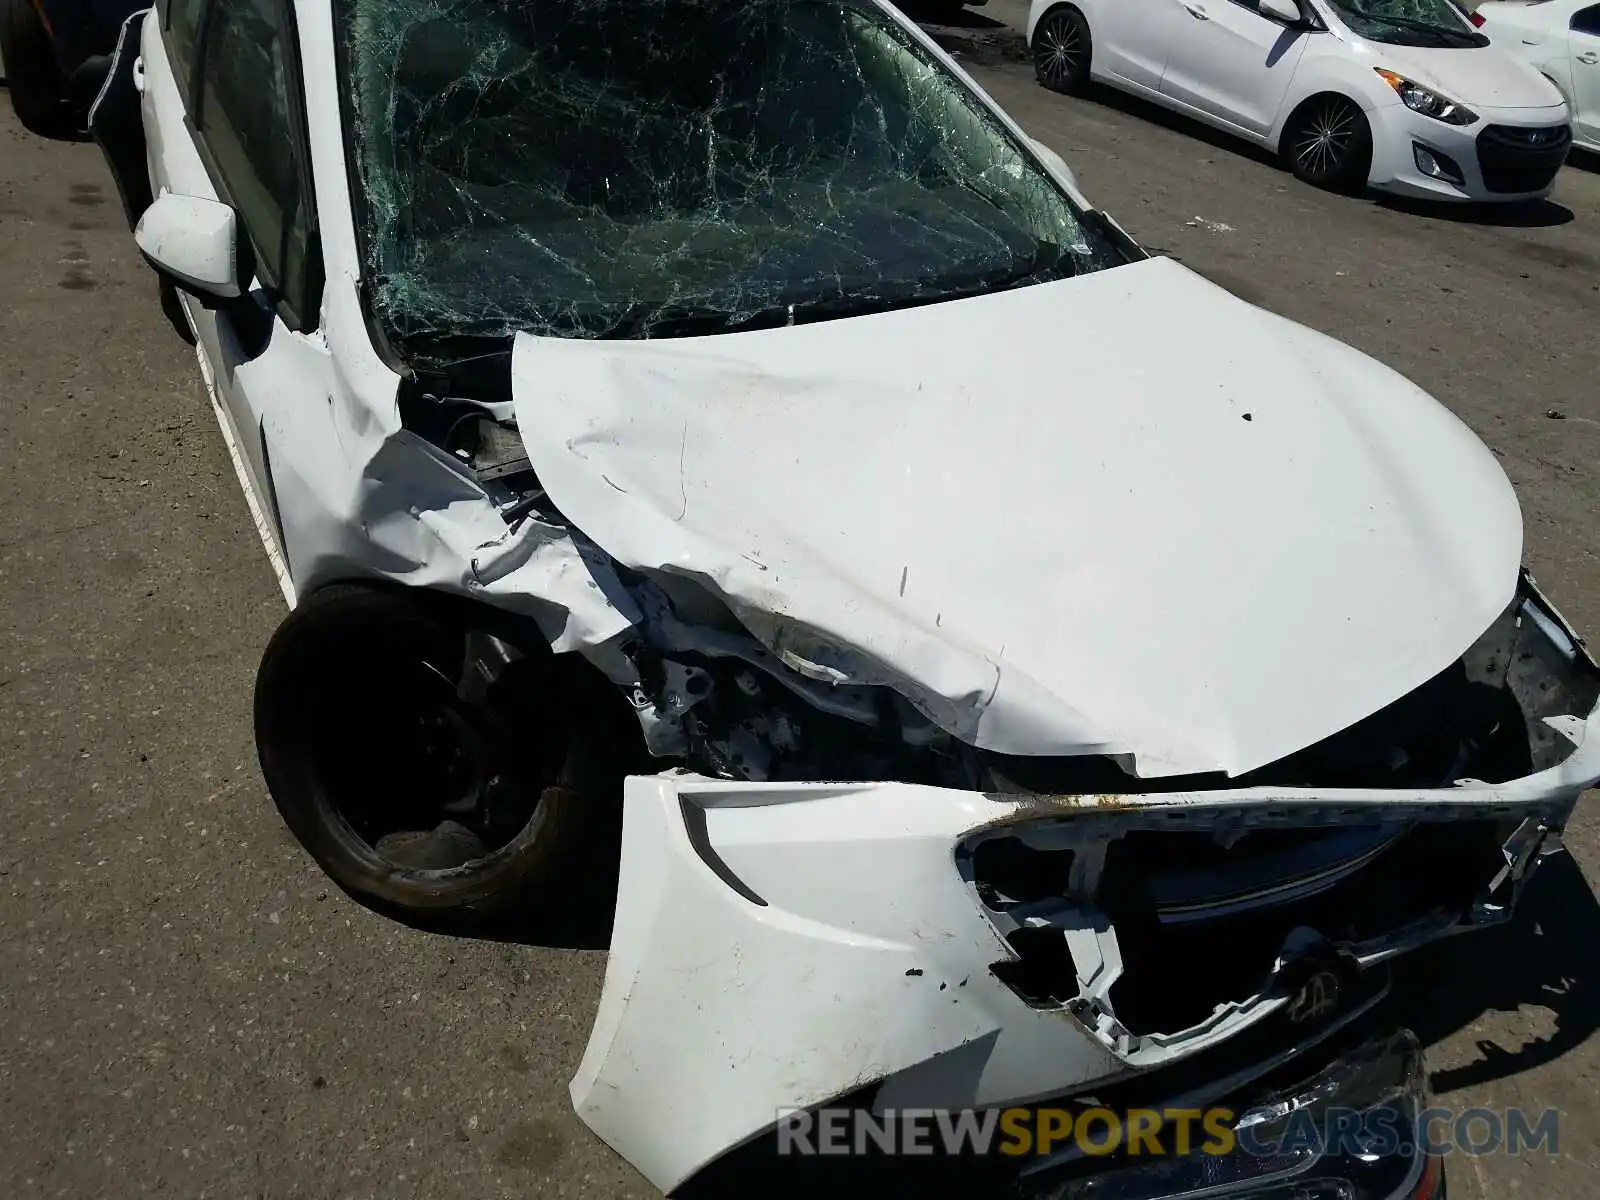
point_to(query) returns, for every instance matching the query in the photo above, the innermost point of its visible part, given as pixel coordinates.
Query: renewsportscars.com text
(1020, 1132)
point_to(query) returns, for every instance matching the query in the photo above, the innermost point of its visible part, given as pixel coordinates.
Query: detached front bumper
(778, 946)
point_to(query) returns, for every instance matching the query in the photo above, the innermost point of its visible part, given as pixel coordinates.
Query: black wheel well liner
(519, 629)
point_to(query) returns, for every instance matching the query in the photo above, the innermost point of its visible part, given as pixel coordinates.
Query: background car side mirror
(1287, 11)
(1055, 162)
(195, 243)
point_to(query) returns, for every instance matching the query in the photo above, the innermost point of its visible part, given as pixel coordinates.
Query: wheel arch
(518, 630)
(1293, 112)
(1071, 5)
(568, 797)
(515, 628)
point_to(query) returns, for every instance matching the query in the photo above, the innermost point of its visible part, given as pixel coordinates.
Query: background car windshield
(1408, 22)
(618, 167)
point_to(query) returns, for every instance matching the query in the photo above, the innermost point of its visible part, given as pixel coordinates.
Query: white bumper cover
(777, 946)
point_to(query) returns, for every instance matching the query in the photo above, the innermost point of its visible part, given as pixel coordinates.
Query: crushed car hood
(1125, 514)
(1486, 76)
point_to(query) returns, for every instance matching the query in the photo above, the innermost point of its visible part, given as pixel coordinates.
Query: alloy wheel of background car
(426, 798)
(1061, 51)
(38, 89)
(1329, 144)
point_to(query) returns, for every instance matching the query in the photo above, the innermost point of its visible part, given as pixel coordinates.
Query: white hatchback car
(1402, 95)
(1561, 38)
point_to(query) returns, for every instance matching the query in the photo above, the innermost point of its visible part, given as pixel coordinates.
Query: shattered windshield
(1409, 22)
(632, 168)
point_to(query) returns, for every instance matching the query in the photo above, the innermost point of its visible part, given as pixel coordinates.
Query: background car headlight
(1428, 103)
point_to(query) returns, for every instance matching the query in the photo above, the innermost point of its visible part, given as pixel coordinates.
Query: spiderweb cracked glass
(619, 167)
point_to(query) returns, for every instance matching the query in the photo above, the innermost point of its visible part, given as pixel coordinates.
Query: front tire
(426, 799)
(1062, 49)
(1328, 144)
(39, 94)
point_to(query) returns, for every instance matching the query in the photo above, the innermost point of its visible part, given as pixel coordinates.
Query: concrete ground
(188, 1009)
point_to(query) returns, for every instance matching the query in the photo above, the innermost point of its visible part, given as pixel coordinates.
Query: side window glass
(1587, 20)
(250, 115)
(182, 37)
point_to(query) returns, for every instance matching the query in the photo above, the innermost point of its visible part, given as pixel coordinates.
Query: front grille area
(1514, 158)
(1196, 923)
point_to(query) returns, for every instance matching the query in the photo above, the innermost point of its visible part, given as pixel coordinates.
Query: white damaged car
(1019, 665)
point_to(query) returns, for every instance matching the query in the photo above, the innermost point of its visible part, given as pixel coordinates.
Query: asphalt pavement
(187, 1009)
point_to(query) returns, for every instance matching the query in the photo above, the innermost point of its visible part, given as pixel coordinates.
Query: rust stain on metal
(1106, 800)
(1026, 807)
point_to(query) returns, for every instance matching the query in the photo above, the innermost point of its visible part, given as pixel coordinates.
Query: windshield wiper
(654, 319)
(651, 318)
(1415, 26)
(1047, 262)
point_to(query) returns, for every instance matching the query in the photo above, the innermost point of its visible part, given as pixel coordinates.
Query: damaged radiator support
(1156, 934)
(1155, 928)
(710, 693)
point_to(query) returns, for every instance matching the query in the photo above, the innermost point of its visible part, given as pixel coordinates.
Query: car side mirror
(1055, 162)
(195, 243)
(1286, 11)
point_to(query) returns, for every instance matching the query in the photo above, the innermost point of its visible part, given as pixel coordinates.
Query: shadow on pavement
(1548, 956)
(970, 36)
(950, 13)
(1144, 110)
(757, 1169)
(1585, 160)
(1541, 214)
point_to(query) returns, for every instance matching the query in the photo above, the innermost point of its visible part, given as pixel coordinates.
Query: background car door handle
(1589, 58)
(1198, 13)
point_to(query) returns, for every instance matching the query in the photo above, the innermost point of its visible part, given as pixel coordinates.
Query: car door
(1583, 42)
(1233, 64)
(1133, 37)
(224, 120)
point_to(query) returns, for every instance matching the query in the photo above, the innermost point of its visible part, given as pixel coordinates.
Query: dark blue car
(56, 53)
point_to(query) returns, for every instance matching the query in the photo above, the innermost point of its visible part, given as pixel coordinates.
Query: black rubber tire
(1328, 144)
(1062, 51)
(333, 662)
(38, 89)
